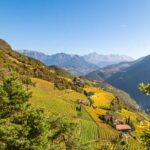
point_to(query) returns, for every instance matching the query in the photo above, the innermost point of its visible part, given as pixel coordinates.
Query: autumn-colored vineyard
(92, 131)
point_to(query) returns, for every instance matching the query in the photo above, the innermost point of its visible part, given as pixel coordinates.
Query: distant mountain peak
(93, 53)
(74, 63)
(105, 60)
(79, 65)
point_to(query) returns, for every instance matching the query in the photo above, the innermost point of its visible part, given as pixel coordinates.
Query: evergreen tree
(24, 128)
(64, 134)
(145, 88)
(21, 126)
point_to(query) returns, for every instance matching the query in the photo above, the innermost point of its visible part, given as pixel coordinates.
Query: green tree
(27, 82)
(64, 134)
(24, 128)
(146, 135)
(21, 126)
(145, 88)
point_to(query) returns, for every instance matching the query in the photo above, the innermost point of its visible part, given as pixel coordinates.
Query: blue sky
(77, 26)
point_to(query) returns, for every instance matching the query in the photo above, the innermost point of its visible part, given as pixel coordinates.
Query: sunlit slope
(106, 133)
(91, 129)
(100, 98)
(45, 95)
(52, 100)
(140, 122)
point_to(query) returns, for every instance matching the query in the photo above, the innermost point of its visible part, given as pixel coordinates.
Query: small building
(105, 118)
(123, 127)
(110, 119)
(83, 102)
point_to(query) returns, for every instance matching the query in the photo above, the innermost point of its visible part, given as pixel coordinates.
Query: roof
(123, 127)
(83, 102)
(107, 116)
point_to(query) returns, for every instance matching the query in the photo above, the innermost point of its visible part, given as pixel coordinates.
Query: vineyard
(107, 135)
(93, 131)
(96, 135)
(133, 144)
(45, 96)
(101, 98)
(102, 135)
(106, 132)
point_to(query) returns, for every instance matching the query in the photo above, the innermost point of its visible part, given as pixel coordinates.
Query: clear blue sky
(77, 26)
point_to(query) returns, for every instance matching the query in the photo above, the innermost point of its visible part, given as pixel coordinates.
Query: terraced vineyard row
(52, 104)
(44, 96)
(134, 145)
(104, 145)
(89, 129)
(106, 132)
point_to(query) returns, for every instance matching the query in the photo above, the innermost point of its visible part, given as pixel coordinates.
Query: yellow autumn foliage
(100, 98)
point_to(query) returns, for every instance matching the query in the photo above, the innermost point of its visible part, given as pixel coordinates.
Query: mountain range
(106, 72)
(73, 63)
(129, 79)
(78, 65)
(127, 76)
(106, 60)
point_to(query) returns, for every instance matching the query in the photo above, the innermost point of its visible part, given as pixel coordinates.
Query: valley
(126, 76)
(84, 102)
(74, 75)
